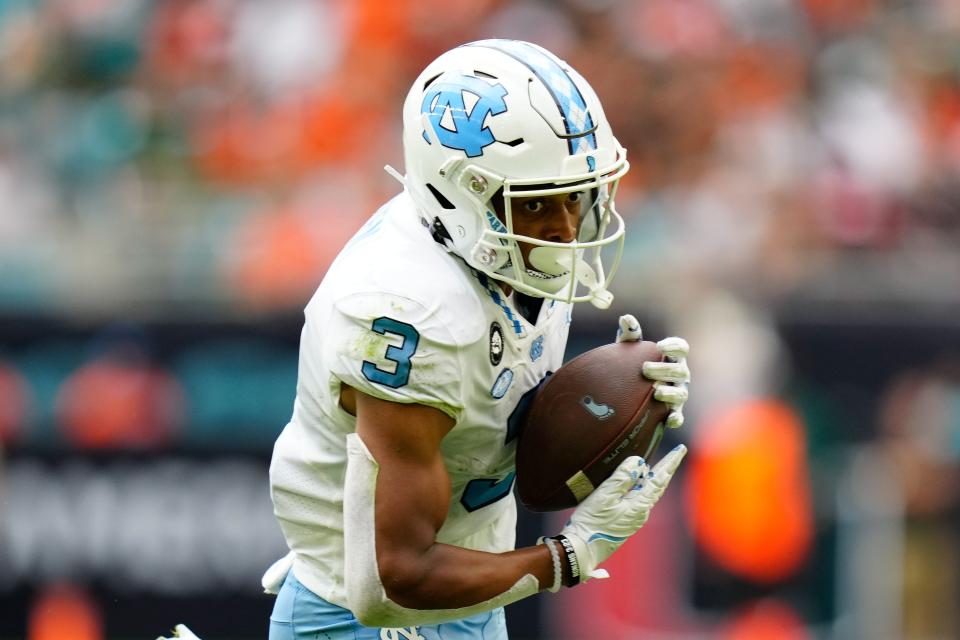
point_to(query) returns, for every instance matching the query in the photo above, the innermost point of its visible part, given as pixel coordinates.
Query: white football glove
(617, 509)
(180, 632)
(671, 377)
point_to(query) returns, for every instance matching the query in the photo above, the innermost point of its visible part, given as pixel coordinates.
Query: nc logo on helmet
(457, 106)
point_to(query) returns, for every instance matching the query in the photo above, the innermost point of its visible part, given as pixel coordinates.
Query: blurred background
(176, 175)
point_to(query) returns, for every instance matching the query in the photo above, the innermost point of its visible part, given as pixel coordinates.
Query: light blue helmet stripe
(570, 101)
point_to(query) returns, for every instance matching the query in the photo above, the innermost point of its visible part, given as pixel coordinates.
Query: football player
(393, 480)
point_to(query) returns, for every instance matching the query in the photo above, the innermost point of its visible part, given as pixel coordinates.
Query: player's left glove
(180, 632)
(614, 512)
(670, 377)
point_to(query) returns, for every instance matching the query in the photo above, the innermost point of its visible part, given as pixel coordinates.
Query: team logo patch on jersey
(598, 410)
(502, 384)
(496, 343)
(536, 349)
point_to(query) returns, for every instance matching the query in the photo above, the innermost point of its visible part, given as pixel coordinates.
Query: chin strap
(395, 174)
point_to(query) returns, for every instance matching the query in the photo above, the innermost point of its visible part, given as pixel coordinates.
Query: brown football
(590, 415)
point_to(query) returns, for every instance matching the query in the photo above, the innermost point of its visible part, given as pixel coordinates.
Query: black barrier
(180, 528)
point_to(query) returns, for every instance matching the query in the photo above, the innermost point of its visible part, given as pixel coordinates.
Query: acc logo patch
(496, 344)
(502, 384)
(457, 106)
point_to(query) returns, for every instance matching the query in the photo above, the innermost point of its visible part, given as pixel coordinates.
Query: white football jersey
(400, 318)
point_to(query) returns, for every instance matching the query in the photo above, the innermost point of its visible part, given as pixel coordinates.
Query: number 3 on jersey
(399, 354)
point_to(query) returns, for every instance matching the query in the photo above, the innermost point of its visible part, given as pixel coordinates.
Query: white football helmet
(506, 118)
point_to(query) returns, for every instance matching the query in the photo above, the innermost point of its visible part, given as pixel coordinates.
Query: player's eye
(534, 206)
(574, 196)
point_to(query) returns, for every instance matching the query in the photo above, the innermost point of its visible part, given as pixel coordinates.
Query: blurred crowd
(177, 156)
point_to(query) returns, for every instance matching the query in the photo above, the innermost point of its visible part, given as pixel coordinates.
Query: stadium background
(176, 175)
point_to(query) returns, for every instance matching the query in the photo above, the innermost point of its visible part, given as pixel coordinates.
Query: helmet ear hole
(441, 199)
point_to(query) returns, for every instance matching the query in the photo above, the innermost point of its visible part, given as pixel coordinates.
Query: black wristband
(572, 561)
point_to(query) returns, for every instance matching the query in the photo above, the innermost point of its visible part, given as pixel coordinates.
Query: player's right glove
(614, 512)
(670, 377)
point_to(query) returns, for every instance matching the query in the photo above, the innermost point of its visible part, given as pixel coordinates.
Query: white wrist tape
(557, 570)
(366, 596)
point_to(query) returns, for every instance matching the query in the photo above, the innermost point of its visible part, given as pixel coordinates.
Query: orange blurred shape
(239, 144)
(748, 491)
(766, 620)
(62, 612)
(839, 14)
(759, 77)
(14, 403)
(186, 39)
(278, 257)
(681, 26)
(943, 112)
(108, 404)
